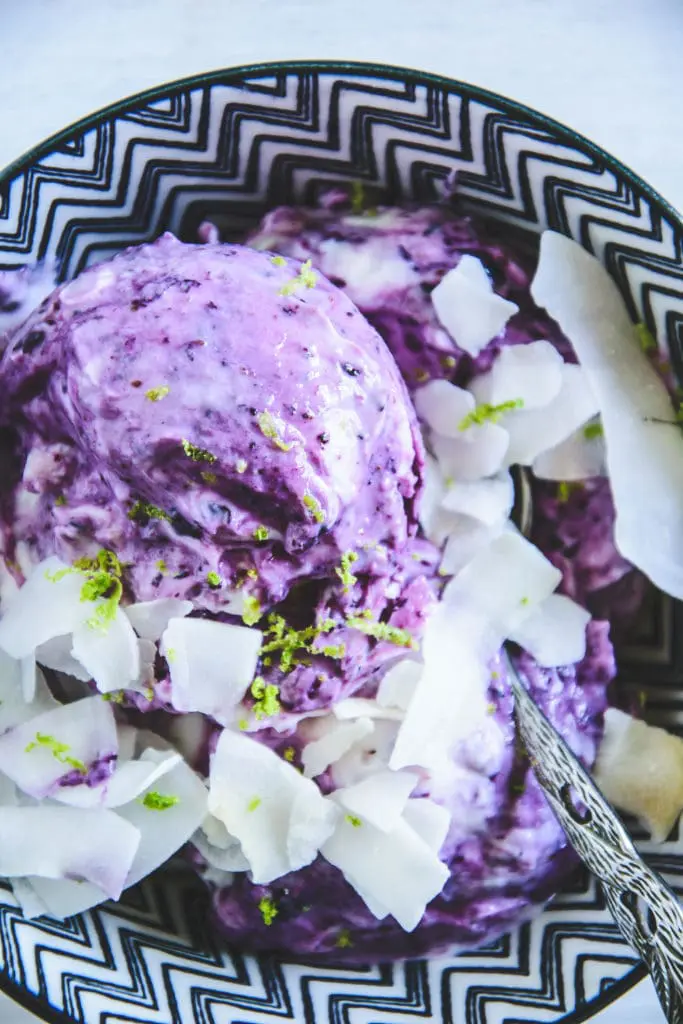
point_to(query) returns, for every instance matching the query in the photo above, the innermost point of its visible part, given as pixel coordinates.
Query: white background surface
(612, 69)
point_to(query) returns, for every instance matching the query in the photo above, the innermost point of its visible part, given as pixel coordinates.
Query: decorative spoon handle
(645, 909)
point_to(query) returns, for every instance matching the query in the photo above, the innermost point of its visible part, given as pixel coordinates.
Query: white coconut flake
(211, 664)
(335, 739)
(133, 778)
(42, 609)
(162, 833)
(533, 431)
(443, 406)
(279, 817)
(504, 582)
(218, 847)
(644, 455)
(85, 728)
(530, 373)
(150, 618)
(431, 498)
(96, 846)
(640, 770)
(580, 457)
(478, 451)
(469, 309)
(554, 633)
(380, 799)
(450, 698)
(393, 872)
(56, 654)
(466, 537)
(489, 500)
(429, 820)
(110, 654)
(364, 707)
(30, 903)
(397, 686)
(14, 709)
(367, 756)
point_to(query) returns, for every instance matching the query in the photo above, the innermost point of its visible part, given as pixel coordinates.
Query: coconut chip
(96, 846)
(111, 655)
(467, 306)
(393, 872)
(639, 769)
(150, 618)
(554, 633)
(333, 740)
(580, 457)
(279, 817)
(504, 581)
(380, 799)
(643, 440)
(530, 374)
(211, 664)
(65, 741)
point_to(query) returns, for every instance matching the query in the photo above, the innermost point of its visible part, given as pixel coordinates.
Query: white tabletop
(609, 68)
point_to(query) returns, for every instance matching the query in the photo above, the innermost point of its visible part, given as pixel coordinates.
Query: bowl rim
(37, 1003)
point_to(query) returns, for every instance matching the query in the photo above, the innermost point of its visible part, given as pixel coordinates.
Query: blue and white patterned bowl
(228, 146)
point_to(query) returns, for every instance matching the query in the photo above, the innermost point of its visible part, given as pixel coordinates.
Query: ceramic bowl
(228, 146)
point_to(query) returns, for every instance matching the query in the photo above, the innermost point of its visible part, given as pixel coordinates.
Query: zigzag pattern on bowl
(228, 148)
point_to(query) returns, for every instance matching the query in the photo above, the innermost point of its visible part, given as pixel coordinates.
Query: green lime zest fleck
(487, 413)
(357, 196)
(241, 466)
(336, 651)
(278, 261)
(268, 909)
(196, 453)
(102, 583)
(490, 709)
(381, 630)
(524, 601)
(313, 506)
(566, 488)
(261, 533)
(171, 655)
(353, 819)
(155, 801)
(268, 428)
(243, 724)
(292, 645)
(208, 477)
(114, 697)
(156, 394)
(344, 571)
(266, 699)
(60, 500)
(254, 803)
(645, 338)
(421, 376)
(592, 430)
(289, 753)
(142, 511)
(252, 610)
(60, 751)
(214, 580)
(344, 940)
(306, 278)
(161, 566)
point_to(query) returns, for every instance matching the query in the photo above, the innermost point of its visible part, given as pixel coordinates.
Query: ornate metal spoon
(646, 911)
